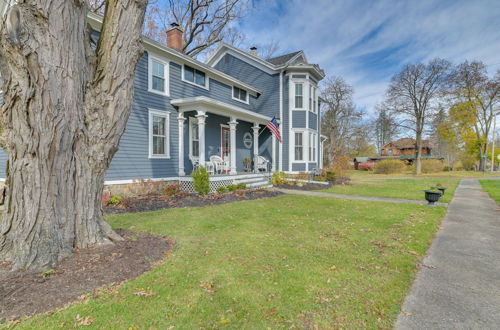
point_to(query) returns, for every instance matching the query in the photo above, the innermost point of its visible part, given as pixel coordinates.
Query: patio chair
(220, 164)
(261, 163)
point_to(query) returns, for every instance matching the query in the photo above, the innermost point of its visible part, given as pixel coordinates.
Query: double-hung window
(158, 134)
(299, 147)
(194, 142)
(312, 147)
(158, 76)
(194, 76)
(299, 95)
(310, 98)
(240, 94)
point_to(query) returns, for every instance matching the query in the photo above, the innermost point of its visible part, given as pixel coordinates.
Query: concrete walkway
(357, 197)
(458, 286)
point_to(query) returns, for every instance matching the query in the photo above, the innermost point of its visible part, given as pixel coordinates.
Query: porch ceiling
(203, 103)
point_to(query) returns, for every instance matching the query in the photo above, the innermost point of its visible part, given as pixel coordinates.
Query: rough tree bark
(65, 109)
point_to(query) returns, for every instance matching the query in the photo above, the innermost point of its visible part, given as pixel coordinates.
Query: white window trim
(192, 122)
(234, 98)
(166, 70)
(193, 83)
(305, 92)
(314, 97)
(304, 146)
(166, 115)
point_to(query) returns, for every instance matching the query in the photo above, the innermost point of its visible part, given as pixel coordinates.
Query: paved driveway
(459, 285)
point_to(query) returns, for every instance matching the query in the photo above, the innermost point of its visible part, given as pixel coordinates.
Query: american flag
(274, 128)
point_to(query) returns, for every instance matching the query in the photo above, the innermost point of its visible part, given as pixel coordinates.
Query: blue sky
(366, 42)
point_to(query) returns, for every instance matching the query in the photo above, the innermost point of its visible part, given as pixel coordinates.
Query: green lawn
(453, 174)
(396, 188)
(289, 261)
(493, 188)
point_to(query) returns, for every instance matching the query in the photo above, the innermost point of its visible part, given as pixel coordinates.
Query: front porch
(225, 139)
(251, 180)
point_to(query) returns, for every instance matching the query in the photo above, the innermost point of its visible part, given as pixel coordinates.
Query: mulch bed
(24, 294)
(158, 202)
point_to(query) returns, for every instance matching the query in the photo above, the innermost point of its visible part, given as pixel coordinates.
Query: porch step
(260, 184)
(254, 181)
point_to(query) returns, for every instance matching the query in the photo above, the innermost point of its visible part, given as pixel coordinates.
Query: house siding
(313, 121)
(299, 119)
(286, 124)
(267, 103)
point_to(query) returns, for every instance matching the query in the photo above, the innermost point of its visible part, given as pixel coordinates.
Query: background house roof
(408, 143)
(283, 59)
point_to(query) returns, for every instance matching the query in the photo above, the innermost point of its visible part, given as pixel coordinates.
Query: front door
(225, 144)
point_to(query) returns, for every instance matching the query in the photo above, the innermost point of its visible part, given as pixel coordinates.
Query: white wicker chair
(220, 164)
(261, 163)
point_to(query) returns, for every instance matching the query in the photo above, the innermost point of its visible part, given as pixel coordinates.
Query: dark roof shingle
(280, 60)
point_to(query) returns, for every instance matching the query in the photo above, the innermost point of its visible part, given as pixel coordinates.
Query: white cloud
(367, 42)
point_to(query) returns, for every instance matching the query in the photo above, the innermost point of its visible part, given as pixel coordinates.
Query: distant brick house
(405, 147)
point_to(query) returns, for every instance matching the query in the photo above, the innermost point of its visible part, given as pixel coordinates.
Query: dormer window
(194, 76)
(240, 94)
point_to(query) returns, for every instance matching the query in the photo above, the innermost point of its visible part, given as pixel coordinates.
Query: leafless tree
(385, 127)
(269, 50)
(470, 83)
(204, 22)
(65, 108)
(411, 96)
(339, 117)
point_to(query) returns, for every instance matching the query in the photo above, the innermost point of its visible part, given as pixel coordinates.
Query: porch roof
(203, 103)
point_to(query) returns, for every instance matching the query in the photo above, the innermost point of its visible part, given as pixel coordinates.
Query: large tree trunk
(418, 152)
(65, 109)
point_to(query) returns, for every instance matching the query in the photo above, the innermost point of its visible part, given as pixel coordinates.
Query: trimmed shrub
(221, 190)
(114, 200)
(389, 166)
(330, 176)
(241, 186)
(171, 190)
(201, 182)
(432, 166)
(279, 178)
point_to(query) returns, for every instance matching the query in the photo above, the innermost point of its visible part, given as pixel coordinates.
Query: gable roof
(286, 61)
(283, 59)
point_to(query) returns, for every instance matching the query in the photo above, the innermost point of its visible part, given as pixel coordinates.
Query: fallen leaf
(145, 293)
(413, 253)
(406, 313)
(333, 267)
(272, 312)
(83, 321)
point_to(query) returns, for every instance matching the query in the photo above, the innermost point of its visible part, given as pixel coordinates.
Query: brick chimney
(174, 37)
(253, 51)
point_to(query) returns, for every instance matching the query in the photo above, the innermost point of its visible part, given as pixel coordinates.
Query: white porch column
(255, 144)
(274, 160)
(181, 120)
(201, 132)
(232, 135)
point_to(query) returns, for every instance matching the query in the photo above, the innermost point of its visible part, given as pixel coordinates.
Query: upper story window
(240, 94)
(298, 146)
(158, 75)
(158, 134)
(315, 100)
(299, 96)
(194, 76)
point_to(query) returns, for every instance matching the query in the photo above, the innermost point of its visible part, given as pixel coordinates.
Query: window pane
(200, 78)
(195, 132)
(298, 101)
(158, 145)
(158, 125)
(298, 89)
(158, 84)
(236, 92)
(188, 73)
(298, 153)
(158, 69)
(196, 149)
(243, 95)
